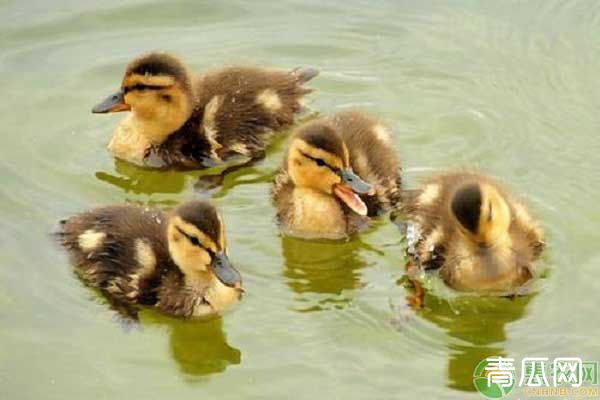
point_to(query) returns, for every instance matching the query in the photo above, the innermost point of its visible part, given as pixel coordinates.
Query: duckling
(480, 237)
(181, 120)
(338, 172)
(176, 262)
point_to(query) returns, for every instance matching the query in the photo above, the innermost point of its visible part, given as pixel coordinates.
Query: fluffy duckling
(174, 262)
(338, 171)
(479, 236)
(182, 120)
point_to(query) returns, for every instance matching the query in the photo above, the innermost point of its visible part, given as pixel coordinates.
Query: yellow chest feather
(317, 214)
(127, 143)
(219, 296)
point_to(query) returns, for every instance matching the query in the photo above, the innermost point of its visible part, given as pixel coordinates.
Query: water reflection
(199, 347)
(480, 326)
(214, 181)
(132, 179)
(322, 273)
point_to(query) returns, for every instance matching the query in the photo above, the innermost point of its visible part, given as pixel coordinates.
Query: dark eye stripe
(194, 240)
(142, 87)
(319, 161)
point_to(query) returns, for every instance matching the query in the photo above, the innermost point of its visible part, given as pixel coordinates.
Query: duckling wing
(243, 106)
(373, 157)
(282, 197)
(305, 74)
(118, 250)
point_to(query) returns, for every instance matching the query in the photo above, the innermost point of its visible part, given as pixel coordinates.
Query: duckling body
(479, 236)
(183, 120)
(338, 172)
(143, 256)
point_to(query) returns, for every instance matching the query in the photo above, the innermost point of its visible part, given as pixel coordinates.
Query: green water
(509, 86)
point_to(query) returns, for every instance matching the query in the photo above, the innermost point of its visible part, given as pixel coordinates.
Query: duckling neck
(317, 214)
(199, 280)
(498, 242)
(127, 143)
(216, 296)
(156, 130)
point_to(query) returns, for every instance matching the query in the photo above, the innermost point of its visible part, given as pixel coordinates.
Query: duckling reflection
(199, 347)
(322, 273)
(479, 324)
(133, 179)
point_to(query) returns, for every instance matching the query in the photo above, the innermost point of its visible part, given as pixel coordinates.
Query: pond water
(510, 87)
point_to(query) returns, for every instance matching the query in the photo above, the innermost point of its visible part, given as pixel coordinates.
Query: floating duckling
(137, 256)
(479, 236)
(338, 171)
(182, 120)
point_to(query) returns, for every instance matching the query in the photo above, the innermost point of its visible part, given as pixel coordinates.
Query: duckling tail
(305, 74)
(58, 228)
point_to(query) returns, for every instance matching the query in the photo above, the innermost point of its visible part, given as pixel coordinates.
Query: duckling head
(483, 214)
(157, 88)
(196, 241)
(318, 159)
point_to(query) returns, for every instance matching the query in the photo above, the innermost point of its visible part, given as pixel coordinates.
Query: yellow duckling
(338, 171)
(479, 236)
(136, 256)
(182, 120)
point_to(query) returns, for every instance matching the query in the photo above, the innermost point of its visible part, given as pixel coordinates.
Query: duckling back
(238, 109)
(119, 250)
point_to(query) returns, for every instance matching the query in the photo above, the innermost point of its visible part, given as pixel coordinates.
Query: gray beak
(224, 271)
(113, 103)
(356, 183)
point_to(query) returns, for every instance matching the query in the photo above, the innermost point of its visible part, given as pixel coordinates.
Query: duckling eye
(320, 162)
(142, 87)
(193, 239)
(165, 97)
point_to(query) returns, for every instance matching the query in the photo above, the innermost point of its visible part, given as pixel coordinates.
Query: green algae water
(510, 87)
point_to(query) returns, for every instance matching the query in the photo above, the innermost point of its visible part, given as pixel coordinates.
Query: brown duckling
(175, 262)
(338, 171)
(480, 237)
(182, 120)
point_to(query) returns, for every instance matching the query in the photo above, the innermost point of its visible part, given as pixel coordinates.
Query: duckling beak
(349, 187)
(225, 272)
(356, 183)
(113, 103)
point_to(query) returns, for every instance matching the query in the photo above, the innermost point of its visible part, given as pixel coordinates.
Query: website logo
(496, 377)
